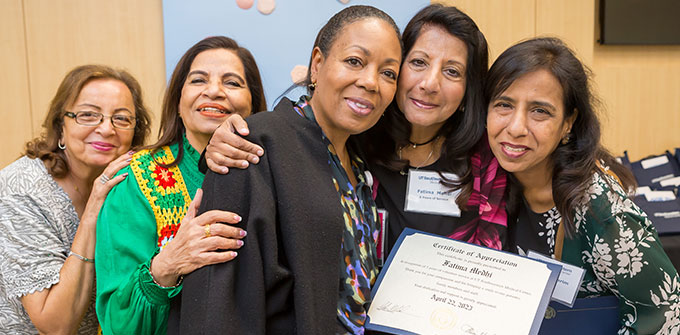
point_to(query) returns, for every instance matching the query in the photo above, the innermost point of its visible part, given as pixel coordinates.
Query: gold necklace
(75, 186)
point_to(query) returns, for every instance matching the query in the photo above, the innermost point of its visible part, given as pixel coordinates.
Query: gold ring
(207, 230)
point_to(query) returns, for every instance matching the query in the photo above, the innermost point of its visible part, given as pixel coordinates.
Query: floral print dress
(617, 245)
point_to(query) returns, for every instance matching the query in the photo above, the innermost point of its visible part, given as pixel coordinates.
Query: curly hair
(46, 146)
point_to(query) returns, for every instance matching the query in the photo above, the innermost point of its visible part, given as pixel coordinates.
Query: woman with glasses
(50, 198)
(148, 234)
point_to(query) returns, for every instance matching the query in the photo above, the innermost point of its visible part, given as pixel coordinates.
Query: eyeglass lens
(119, 120)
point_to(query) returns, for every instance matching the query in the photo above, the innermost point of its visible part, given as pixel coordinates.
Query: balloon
(298, 73)
(266, 7)
(245, 4)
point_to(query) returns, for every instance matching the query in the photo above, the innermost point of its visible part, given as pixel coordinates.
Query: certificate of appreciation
(435, 285)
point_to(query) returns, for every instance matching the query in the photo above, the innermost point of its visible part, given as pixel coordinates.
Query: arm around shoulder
(233, 297)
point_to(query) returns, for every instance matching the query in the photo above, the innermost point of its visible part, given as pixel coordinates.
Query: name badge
(568, 282)
(426, 194)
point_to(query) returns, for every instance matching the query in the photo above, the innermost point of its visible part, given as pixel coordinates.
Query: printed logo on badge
(426, 194)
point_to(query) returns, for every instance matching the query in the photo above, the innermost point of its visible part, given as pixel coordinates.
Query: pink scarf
(488, 196)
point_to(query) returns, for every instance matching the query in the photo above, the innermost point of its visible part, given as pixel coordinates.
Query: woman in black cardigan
(309, 260)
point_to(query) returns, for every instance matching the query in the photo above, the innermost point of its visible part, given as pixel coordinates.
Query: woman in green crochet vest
(148, 235)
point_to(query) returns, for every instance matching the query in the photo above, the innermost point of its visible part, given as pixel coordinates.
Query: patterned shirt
(37, 225)
(128, 301)
(358, 265)
(620, 251)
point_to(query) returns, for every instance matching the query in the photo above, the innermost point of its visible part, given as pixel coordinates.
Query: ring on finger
(207, 230)
(104, 178)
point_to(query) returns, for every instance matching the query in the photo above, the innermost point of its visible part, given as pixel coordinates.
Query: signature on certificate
(391, 307)
(467, 329)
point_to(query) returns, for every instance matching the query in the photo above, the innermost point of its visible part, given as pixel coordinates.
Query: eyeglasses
(120, 121)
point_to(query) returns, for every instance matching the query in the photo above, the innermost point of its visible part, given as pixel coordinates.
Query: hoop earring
(312, 86)
(60, 145)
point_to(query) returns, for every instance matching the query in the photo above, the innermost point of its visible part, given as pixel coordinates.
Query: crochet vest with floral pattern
(164, 188)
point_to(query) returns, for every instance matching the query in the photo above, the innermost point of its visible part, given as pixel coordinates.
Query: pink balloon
(245, 4)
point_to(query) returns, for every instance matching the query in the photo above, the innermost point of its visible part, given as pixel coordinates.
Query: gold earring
(312, 86)
(566, 139)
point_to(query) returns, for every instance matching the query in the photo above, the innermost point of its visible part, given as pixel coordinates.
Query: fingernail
(131, 152)
(239, 243)
(255, 160)
(129, 159)
(237, 218)
(244, 164)
(234, 253)
(125, 174)
(260, 152)
(243, 130)
(243, 233)
(225, 170)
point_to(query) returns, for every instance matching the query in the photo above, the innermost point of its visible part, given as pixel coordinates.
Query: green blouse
(128, 236)
(620, 251)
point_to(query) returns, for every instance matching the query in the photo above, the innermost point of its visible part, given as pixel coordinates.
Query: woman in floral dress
(568, 196)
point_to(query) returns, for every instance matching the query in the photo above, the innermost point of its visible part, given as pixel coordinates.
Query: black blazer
(285, 278)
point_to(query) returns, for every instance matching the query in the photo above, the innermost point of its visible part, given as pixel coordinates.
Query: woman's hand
(200, 241)
(102, 185)
(228, 149)
(73, 293)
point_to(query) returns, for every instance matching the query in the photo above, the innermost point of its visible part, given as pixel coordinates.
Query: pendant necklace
(403, 173)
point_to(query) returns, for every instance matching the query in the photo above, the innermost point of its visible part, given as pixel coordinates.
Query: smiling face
(432, 79)
(526, 123)
(356, 81)
(215, 88)
(93, 147)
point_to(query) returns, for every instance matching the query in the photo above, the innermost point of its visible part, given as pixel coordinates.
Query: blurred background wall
(41, 40)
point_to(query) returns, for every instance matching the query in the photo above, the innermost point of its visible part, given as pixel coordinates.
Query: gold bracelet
(179, 281)
(84, 259)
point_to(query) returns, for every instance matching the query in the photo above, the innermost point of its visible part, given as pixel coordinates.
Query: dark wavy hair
(574, 162)
(172, 128)
(465, 127)
(46, 147)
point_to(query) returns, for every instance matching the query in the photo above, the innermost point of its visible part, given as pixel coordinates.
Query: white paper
(654, 162)
(568, 283)
(654, 196)
(662, 178)
(439, 286)
(426, 194)
(667, 215)
(670, 182)
(642, 190)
